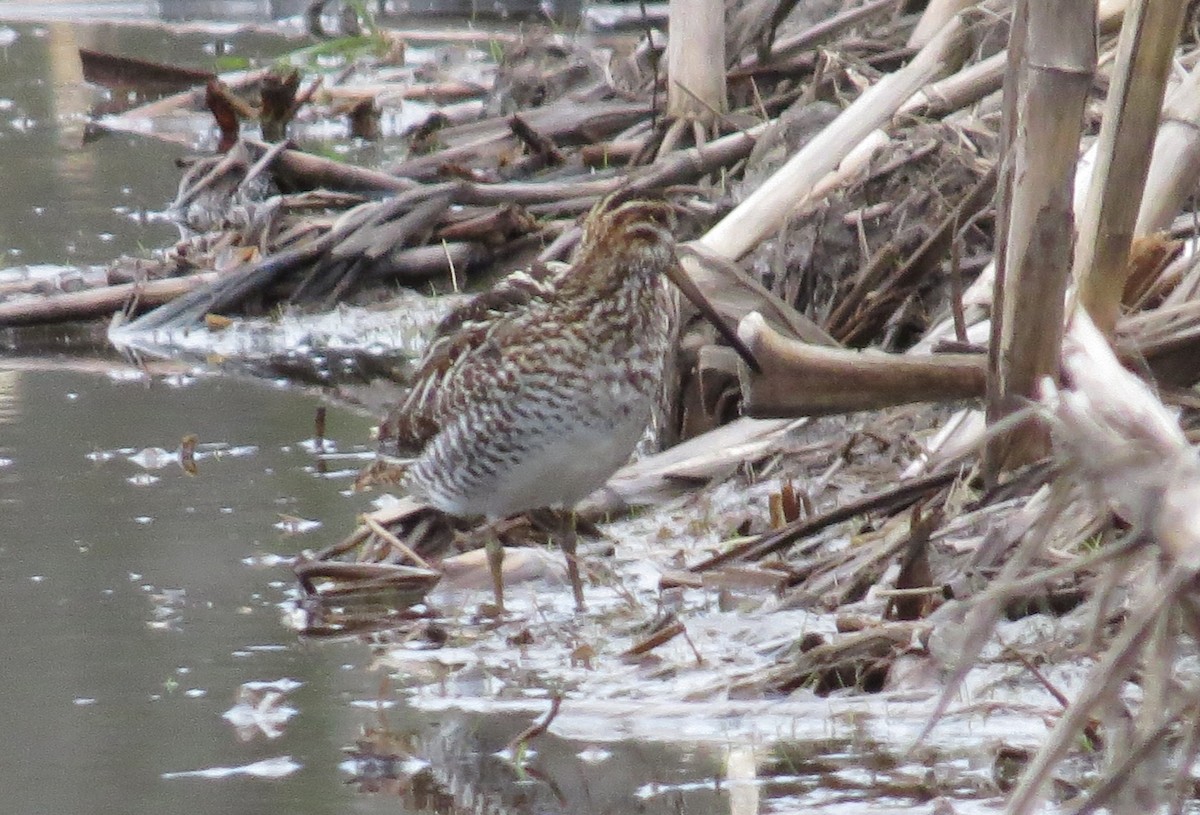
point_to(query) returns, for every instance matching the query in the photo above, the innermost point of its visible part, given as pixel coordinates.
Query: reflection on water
(73, 203)
(10, 399)
(169, 10)
(64, 202)
(138, 609)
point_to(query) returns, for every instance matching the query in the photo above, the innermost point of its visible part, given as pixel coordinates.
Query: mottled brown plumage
(533, 393)
(413, 422)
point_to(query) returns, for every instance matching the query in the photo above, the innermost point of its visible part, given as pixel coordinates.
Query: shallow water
(141, 599)
(75, 203)
(138, 605)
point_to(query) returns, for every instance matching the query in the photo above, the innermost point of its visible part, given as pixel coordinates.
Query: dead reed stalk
(1149, 36)
(1175, 166)
(1052, 58)
(696, 60)
(1129, 454)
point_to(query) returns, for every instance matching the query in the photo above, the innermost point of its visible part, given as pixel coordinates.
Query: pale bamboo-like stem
(1175, 166)
(966, 87)
(1181, 121)
(978, 79)
(1058, 62)
(934, 17)
(958, 90)
(706, 277)
(1012, 93)
(852, 167)
(696, 60)
(1111, 13)
(1148, 39)
(764, 210)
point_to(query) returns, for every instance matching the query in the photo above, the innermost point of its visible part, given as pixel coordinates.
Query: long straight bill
(692, 292)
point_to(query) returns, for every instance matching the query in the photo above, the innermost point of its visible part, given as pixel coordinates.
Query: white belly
(566, 470)
(565, 465)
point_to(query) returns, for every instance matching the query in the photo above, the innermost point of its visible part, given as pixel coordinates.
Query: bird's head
(627, 240)
(624, 234)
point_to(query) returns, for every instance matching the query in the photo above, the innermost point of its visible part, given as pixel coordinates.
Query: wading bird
(533, 393)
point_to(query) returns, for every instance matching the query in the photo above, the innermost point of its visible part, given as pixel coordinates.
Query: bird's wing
(463, 338)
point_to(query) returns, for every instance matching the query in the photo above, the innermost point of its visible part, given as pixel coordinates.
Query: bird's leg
(495, 558)
(569, 543)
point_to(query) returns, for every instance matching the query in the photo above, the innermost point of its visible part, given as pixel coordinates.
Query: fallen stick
(119, 71)
(532, 192)
(378, 575)
(447, 91)
(816, 35)
(958, 90)
(685, 166)
(305, 170)
(87, 305)
(680, 167)
(605, 154)
(565, 122)
(799, 379)
(421, 263)
(130, 120)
